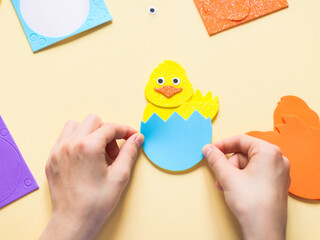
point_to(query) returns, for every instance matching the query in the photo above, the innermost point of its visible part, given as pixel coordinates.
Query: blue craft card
(176, 144)
(98, 14)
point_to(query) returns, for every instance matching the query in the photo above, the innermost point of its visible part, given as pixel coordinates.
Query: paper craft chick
(297, 132)
(176, 122)
(169, 91)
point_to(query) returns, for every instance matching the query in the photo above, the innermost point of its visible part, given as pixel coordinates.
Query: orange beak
(168, 91)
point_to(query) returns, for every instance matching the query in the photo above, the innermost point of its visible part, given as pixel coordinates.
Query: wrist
(64, 227)
(262, 224)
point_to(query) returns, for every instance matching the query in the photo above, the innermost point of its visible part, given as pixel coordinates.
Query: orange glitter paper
(219, 15)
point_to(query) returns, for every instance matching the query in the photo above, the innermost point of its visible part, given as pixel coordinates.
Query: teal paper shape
(176, 144)
(98, 14)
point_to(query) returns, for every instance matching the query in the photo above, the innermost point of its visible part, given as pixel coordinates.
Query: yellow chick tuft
(169, 91)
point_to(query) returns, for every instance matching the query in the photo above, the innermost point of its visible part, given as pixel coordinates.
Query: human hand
(87, 173)
(255, 181)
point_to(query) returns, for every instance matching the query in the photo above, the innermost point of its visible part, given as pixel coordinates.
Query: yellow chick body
(169, 91)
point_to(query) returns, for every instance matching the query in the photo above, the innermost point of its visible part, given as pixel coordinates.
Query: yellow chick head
(168, 85)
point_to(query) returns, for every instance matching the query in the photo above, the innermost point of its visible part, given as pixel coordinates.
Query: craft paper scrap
(16, 179)
(297, 133)
(176, 122)
(219, 15)
(46, 22)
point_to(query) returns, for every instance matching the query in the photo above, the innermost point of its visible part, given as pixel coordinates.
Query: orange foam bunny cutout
(297, 133)
(219, 15)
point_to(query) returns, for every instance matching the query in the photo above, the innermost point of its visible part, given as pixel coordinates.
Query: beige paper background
(104, 72)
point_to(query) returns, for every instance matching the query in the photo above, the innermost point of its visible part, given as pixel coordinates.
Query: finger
(91, 123)
(68, 129)
(238, 144)
(234, 160)
(287, 166)
(218, 185)
(217, 161)
(128, 153)
(286, 162)
(239, 160)
(112, 150)
(109, 132)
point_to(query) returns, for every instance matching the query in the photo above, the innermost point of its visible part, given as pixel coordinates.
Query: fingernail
(206, 150)
(139, 139)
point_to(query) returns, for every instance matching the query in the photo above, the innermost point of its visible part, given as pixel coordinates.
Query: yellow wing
(207, 106)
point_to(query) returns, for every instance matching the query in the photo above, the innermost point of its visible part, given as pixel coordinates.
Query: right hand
(255, 181)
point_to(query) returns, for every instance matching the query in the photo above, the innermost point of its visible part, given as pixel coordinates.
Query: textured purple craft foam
(16, 179)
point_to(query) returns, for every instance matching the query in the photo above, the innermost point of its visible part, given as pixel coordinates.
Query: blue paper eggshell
(176, 144)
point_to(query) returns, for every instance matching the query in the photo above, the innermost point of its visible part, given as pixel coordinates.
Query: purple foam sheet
(16, 179)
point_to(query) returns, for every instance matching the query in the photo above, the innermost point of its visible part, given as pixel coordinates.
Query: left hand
(87, 173)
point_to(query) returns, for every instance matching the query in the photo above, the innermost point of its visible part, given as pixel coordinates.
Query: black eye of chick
(160, 81)
(176, 81)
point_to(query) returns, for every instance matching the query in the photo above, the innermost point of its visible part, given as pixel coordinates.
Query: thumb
(128, 153)
(217, 161)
